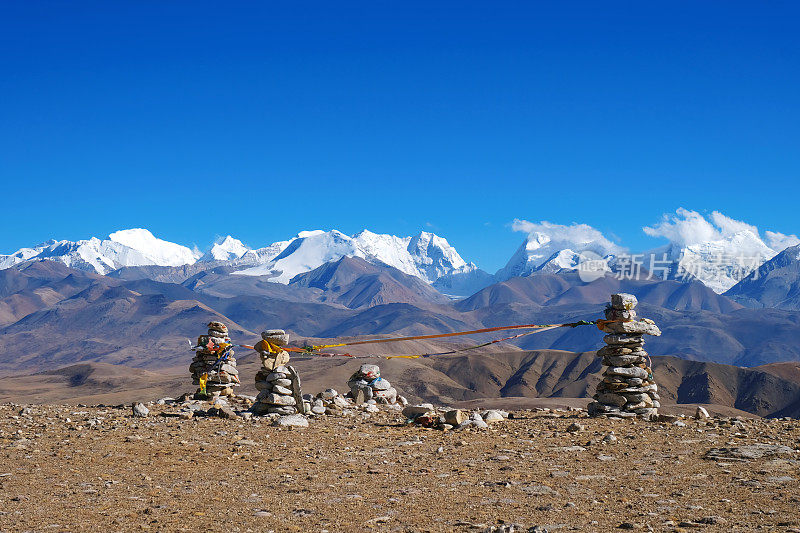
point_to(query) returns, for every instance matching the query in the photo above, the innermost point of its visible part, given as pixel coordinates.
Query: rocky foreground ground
(67, 468)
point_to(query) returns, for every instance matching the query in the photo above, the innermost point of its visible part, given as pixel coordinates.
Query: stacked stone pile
(367, 384)
(277, 381)
(426, 415)
(627, 389)
(214, 361)
(329, 402)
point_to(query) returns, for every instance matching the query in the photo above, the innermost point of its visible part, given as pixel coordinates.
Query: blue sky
(263, 119)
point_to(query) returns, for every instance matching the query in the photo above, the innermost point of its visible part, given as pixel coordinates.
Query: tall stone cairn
(215, 359)
(277, 381)
(627, 389)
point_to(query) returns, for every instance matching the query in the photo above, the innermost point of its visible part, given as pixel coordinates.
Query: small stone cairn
(367, 384)
(329, 402)
(277, 381)
(627, 389)
(444, 418)
(214, 360)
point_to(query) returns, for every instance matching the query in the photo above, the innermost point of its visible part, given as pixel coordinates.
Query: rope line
(314, 350)
(471, 347)
(454, 334)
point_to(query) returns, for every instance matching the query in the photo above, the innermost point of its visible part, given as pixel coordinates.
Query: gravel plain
(67, 468)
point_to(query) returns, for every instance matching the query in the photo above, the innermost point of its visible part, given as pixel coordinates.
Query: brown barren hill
(509, 379)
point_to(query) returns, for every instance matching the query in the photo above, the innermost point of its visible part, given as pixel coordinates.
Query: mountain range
(720, 261)
(67, 307)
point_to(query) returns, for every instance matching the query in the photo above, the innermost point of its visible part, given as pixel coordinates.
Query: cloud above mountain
(576, 236)
(779, 241)
(553, 247)
(687, 228)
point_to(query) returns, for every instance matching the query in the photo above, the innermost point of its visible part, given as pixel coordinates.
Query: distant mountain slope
(776, 283)
(107, 323)
(94, 317)
(567, 288)
(745, 337)
(37, 285)
(355, 283)
(764, 391)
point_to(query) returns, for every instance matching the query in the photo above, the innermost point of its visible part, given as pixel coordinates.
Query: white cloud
(685, 228)
(779, 242)
(577, 237)
(729, 226)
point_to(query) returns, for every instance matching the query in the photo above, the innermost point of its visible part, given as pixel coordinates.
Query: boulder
(413, 411)
(493, 416)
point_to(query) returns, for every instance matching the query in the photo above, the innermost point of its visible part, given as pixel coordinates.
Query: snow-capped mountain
(229, 249)
(434, 257)
(551, 248)
(719, 264)
(132, 247)
(716, 249)
(426, 256)
(718, 252)
(776, 283)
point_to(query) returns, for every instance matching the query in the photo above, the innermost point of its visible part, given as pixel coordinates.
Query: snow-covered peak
(717, 250)
(553, 247)
(309, 250)
(425, 256)
(229, 249)
(310, 233)
(387, 249)
(719, 264)
(158, 251)
(135, 247)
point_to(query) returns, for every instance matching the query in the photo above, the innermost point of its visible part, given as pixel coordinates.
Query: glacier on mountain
(133, 247)
(426, 256)
(553, 247)
(717, 250)
(228, 249)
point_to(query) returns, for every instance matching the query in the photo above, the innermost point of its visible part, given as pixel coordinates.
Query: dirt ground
(67, 468)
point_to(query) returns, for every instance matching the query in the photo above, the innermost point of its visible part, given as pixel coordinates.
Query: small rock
(493, 416)
(414, 411)
(701, 413)
(291, 421)
(575, 427)
(455, 417)
(140, 411)
(226, 412)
